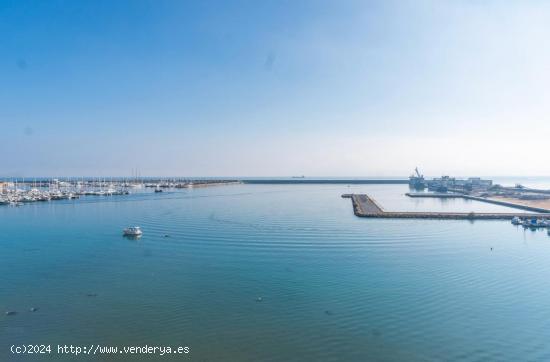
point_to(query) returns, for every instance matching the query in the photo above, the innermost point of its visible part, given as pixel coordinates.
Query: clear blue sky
(274, 88)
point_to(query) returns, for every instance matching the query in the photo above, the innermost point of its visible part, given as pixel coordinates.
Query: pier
(365, 206)
(477, 198)
(524, 189)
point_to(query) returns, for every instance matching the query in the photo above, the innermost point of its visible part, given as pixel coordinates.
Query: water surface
(333, 286)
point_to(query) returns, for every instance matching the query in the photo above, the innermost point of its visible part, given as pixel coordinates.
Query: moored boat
(516, 220)
(535, 223)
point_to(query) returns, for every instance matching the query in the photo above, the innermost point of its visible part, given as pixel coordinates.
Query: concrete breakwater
(310, 181)
(203, 184)
(524, 189)
(365, 206)
(477, 198)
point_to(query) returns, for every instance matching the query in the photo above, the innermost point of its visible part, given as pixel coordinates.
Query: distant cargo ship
(416, 180)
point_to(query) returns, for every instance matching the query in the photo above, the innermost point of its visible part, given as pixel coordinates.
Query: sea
(271, 272)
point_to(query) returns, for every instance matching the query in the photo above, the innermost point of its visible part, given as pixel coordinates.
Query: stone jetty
(365, 206)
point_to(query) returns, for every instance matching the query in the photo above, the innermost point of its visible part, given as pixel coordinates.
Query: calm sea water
(333, 286)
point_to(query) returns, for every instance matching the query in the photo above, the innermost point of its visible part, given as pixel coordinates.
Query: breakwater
(477, 198)
(309, 181)
(365, 206)
(524, 189)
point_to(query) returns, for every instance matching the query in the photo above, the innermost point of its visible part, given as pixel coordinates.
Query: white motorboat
(132, 231)
(516, 220)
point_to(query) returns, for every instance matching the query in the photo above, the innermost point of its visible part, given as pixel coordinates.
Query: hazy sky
(274, 88)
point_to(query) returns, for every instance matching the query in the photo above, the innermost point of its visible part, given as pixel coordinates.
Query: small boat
(158, 189)
(534, 223)
(132, 231)
(541, 223)
(516, 220)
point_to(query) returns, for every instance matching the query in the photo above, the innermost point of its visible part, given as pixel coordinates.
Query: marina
(18, 192)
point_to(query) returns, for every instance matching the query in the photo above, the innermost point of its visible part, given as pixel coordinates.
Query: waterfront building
(445, 183)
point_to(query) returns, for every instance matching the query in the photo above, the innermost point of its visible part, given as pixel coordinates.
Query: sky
(274, 88)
